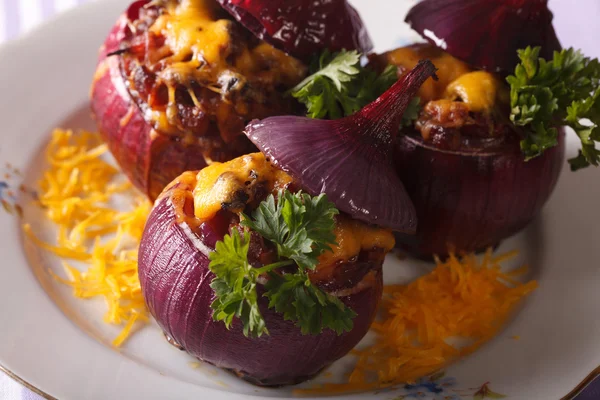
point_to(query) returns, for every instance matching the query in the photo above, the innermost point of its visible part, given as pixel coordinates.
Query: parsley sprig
(301, 227)
(340, 86)
(561, 92)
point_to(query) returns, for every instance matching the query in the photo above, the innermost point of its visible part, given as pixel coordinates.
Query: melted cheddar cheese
(449, 68)
(352, 237)
(480, 90)
(218, 182)
(202, 47)
(76, 193)
(192, 30)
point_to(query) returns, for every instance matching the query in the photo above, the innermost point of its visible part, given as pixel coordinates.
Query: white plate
(60, 346)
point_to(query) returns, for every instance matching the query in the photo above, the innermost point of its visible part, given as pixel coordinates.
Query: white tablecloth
(577, 23)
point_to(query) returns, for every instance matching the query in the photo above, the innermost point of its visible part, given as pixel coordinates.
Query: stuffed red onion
(482, 152)
(177, 81)
(201, 209)
(460, 160)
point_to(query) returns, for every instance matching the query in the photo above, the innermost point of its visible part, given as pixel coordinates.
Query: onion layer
(175, 279)
(469, 201)
(303, 28)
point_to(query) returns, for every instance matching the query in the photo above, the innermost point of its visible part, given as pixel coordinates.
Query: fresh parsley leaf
(299, 225)
(549, 94)
(302, 228)
(384, 81)
(339, 86)
(319, 222)
(338, 67)
(325, 91)
(312, 309)
(235, 284)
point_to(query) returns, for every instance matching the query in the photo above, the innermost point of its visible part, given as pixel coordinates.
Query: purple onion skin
(468, 202)
(175, 281)
(302, 28)
(486, 33)
(349, 159)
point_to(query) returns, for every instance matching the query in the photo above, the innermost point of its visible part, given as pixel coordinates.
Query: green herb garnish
(339, 86)
(560, 92)
(302, 228)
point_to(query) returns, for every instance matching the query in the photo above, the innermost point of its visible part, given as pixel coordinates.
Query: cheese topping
(480, 90)
(217, 183)
(199, 43)
(449, 68)
(194, 54)
(202, 46)
(194, 34)
(352, 237)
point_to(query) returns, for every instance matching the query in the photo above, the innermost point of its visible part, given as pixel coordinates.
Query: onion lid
(349, 159)
(484, 33)
(302, 28)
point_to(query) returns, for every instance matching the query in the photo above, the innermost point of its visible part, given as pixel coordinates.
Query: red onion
(349, 158)
(469, 200)
(486, 33)
(149, 155)
(303, 28)
(175, 279)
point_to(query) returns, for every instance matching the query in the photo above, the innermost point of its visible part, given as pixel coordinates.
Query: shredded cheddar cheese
(461, 300)
(78, 191)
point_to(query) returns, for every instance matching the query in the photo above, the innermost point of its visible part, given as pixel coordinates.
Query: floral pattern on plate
(441, 387)
(9, 189)
(12, 190)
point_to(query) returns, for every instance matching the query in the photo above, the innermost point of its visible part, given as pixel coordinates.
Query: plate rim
(581, 386)
(26, 384)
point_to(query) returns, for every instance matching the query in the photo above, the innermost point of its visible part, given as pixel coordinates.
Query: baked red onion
(485, 33)
(127, 94)
(175, 279)
(349, 159)
(472, 199)
(303, 28)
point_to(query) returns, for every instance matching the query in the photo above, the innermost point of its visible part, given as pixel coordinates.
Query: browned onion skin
(467, 202)
(175, 280)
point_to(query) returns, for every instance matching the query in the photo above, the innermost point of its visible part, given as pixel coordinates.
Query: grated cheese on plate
(462, 300)
(78, 192)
